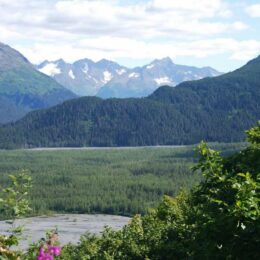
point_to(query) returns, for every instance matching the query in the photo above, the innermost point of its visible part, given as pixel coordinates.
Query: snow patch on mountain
(107, 76)
(133, 75)
(187, 72)
(50, 69)
(96, 81)
(71, 74)
(85, 69)
(121, 71)
(197, 76)
(214, 74)
(150, 66)
(162, 80)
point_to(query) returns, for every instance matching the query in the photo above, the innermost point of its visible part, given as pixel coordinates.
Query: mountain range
(23, 88)
(83, 77)
(108, 79)
(210, 109)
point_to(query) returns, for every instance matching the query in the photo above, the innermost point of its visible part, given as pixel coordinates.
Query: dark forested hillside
(23, 88)
(212, 109)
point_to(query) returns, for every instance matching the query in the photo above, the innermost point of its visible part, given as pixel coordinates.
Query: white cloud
(246, 50)
(74, 29)
(239, 26)
(99, 18)
(195, 8)
(153, 19)
(7, 34)
(115, 48)
(253, 10)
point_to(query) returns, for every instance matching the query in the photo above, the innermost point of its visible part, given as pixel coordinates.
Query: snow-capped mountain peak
(106, 78)
(83, 77)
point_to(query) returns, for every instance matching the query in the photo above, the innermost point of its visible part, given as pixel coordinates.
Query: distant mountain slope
(108, 79)
(212, 109)
(142, 81)
(23, 88)
(83, 77)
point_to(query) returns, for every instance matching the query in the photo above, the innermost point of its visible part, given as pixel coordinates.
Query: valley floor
(118, 181)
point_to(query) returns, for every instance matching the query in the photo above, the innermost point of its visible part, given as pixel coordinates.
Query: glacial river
(70, 226)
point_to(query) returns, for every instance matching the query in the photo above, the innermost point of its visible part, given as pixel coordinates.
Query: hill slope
(23, 88)
(213, 109)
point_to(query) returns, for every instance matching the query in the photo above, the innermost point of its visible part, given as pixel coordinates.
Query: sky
(223, 34)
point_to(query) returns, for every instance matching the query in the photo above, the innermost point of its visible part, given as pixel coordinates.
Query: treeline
(211, 109)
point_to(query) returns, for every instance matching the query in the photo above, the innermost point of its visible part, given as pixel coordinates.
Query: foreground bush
(13, 205)
(218, 219)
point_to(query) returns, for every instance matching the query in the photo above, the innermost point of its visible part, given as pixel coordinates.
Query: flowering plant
(49, 248)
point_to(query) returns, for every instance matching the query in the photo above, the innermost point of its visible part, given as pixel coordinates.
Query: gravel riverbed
(70, 226)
